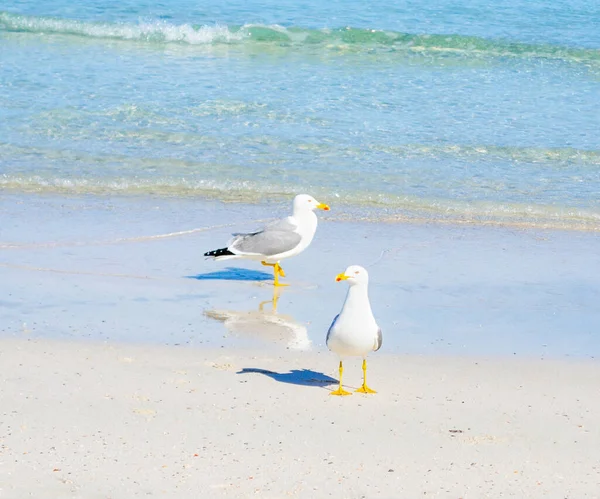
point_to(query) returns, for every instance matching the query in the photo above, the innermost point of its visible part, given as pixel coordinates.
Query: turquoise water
(478, 112)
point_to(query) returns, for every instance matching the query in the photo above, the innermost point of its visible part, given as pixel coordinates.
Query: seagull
(281, 239)
(354, 332)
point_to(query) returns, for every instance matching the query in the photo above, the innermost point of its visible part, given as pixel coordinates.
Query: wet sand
(132, 270)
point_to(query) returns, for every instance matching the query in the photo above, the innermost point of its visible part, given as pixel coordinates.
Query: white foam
(158, 31)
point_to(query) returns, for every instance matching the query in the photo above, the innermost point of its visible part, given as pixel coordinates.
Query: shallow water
(439, 111)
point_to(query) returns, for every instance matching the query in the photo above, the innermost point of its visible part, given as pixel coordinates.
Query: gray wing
(277, 237)
(378, 341)
(331, 328)
(284, 224)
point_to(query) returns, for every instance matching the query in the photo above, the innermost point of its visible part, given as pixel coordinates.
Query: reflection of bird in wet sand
(354, 332)
(278, 240)
(265, 324)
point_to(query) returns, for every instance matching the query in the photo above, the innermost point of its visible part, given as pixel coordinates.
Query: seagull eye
(357, 272)
(310, 200)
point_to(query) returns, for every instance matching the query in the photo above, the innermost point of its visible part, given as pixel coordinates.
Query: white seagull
(354, 332)
(278, 240)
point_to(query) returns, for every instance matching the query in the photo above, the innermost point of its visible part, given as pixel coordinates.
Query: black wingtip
(219, 252)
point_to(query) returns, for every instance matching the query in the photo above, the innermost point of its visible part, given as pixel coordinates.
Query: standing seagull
(354, 331)
(278, 240)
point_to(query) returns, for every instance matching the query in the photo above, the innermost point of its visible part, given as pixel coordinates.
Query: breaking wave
(353, 40)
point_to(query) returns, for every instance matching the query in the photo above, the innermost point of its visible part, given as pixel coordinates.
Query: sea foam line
(357, 40)
(157, 31)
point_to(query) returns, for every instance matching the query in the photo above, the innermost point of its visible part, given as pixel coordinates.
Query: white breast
(354, 332)
(307, 226)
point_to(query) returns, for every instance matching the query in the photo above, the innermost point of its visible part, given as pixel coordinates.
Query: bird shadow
(233, 274)
(304, 377)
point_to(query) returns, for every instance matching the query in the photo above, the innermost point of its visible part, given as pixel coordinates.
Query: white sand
(82, 420)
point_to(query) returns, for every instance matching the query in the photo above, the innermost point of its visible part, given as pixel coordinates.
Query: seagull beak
(323, 206)
(341, 277)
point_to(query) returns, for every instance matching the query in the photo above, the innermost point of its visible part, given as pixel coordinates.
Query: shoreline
(368, 213)
(453, 290)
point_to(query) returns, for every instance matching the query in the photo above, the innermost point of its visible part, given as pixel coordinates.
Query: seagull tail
(222, 253)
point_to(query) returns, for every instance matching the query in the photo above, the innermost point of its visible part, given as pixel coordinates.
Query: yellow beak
(341, 277)
(323, 206)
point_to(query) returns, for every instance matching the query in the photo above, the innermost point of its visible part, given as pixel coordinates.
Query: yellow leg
(277, 271)
(364, 388)
(340, 390)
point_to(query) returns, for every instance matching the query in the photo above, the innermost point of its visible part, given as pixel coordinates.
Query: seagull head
(304, 202)
(355, 274)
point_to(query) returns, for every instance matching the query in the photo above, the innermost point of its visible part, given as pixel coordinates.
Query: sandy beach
(84, 420)
(132, 367)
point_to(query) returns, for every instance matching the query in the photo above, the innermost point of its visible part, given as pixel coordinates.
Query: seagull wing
(277, 237)
(378, 341)
(331, 328)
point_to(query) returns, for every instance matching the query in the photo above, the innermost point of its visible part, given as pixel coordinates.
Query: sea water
(478, 111)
